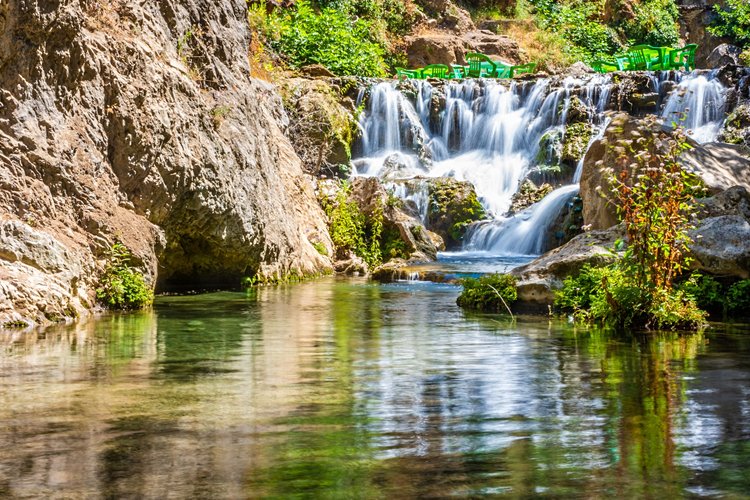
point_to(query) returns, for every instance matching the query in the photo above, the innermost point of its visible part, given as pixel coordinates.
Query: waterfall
(697, 103)
(491, 133)
(525, 233)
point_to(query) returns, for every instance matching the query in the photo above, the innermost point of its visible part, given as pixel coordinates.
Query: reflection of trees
(639, 387)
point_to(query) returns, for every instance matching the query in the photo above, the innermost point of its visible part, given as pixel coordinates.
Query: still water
(346, 389)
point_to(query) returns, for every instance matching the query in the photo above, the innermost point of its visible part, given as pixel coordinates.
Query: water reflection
(342, 388)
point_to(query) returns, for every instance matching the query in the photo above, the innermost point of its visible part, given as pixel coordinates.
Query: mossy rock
(528, 194)
(737, 127)
(575, 142)
(321, 128)
(453, 205)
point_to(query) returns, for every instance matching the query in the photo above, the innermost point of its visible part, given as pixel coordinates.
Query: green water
(344, 389)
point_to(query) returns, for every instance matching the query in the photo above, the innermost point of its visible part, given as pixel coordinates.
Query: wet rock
(736, 128)
(575, 142)
(528, 194)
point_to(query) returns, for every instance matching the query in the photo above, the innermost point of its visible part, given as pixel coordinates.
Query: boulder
(447, 15)
(720, 238)
(320, 128)
(723, 55)
(736, 129)
(538, 280)
(453, 205)
(401, 232)
(447, 48)
(580, 69)
(720, 166)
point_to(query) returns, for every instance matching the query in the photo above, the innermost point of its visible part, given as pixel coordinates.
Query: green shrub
(121, 286)
(655, 199)
(576, 295)
(733, 22)
(491, 293)
(351, 231)
(577, 23)
(708, 293)
(343, 44)
(738, 299)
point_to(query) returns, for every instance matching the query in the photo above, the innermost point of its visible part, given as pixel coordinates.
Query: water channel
(341, 388)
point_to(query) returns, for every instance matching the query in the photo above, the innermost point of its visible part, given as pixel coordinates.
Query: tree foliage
(733, 22)
(330, 36)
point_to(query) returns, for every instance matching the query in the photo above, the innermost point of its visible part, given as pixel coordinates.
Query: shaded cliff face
(138, 121)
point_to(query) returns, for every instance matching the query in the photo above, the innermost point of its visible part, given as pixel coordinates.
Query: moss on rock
(453, 205)
(575, 142)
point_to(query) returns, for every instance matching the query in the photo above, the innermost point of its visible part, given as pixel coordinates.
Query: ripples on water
(344, 388)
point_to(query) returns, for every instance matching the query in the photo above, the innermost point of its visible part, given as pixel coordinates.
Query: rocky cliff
(137, 121)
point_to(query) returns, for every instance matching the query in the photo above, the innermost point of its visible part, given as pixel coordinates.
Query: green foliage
(320, 248)
(745, 57)
(577, 23)
(608, 295)
(655, 23)
(331, 36)
(490, 293)
(588, 37)
(578, 291)
(738, 299)
(15, 325)
(351, 231)
(706, 291)
(455, 205)
(655, 199)
(121, 286)
(733, 22)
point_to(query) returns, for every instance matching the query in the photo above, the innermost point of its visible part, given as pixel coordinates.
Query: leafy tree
(733, 22)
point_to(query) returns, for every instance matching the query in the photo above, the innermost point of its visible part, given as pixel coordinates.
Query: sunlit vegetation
(122, 286)
(655, 199)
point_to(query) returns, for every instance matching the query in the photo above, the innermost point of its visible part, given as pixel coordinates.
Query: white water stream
(490, 133)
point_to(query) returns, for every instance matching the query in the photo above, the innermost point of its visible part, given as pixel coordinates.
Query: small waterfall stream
(492, 134)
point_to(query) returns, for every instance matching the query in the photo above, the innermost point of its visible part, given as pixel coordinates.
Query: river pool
(341, 388)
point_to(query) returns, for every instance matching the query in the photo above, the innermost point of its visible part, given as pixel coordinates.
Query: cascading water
(491, 133)
(697, 104)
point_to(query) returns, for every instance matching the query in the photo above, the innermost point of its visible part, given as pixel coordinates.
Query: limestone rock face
(138, 122)
(449, 48)
(321, 128)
